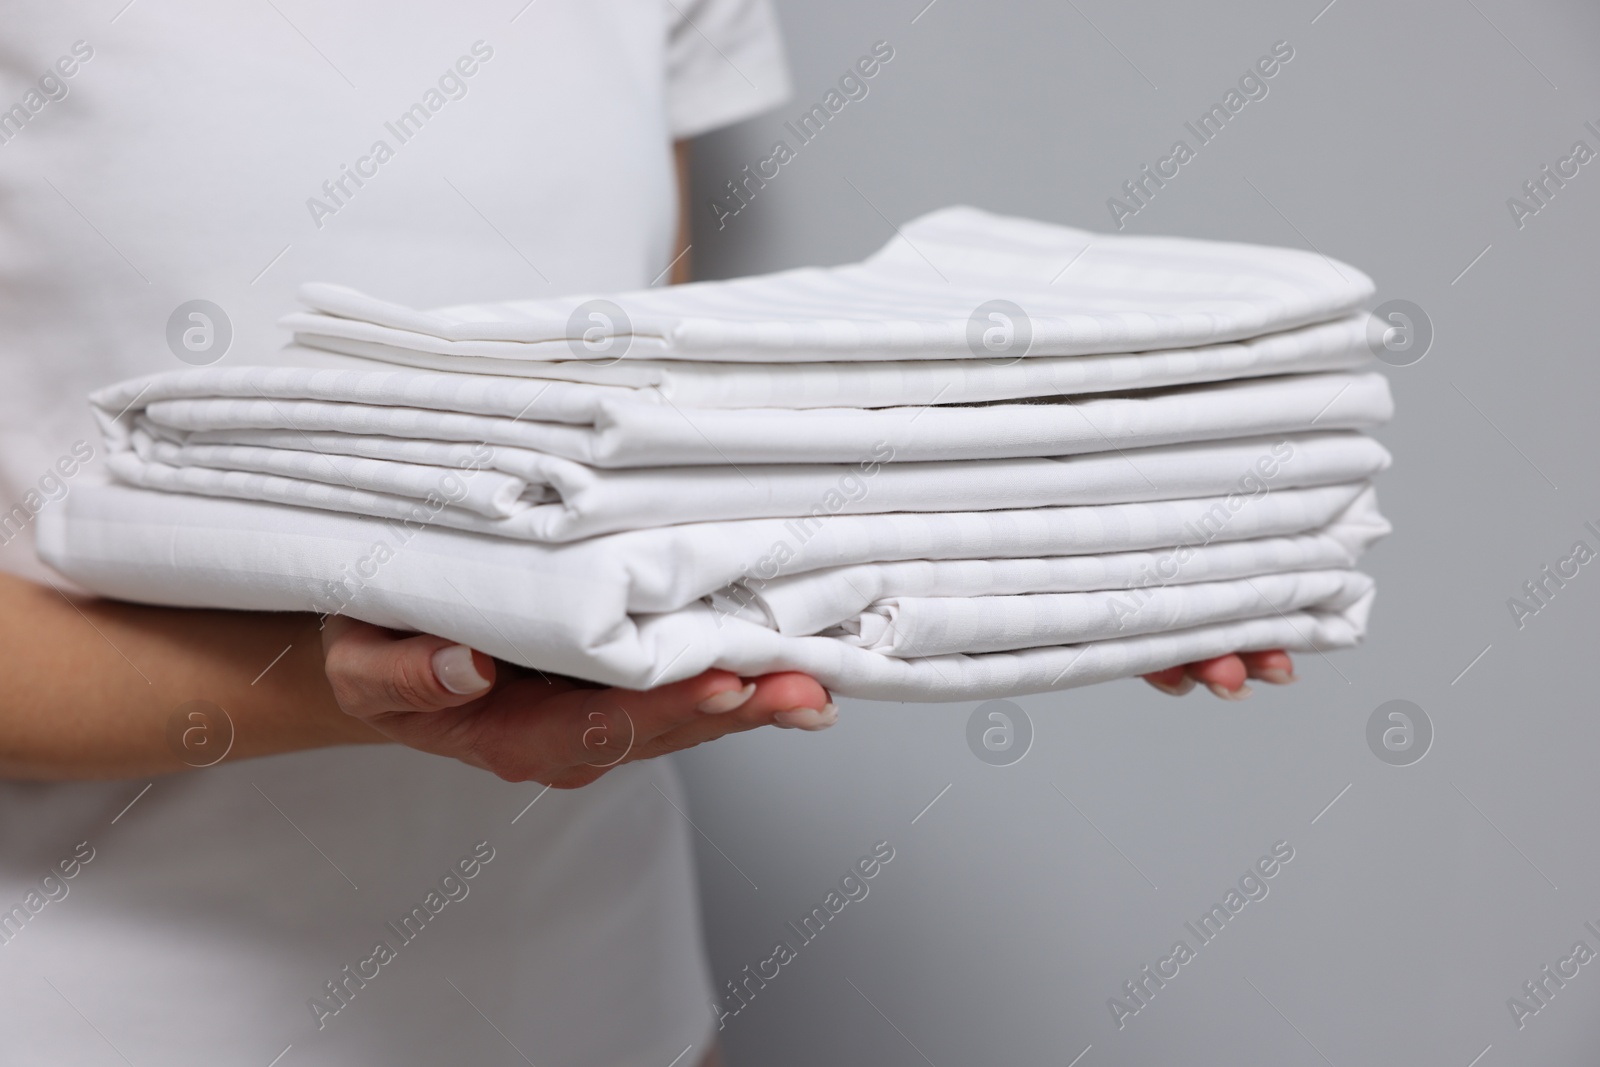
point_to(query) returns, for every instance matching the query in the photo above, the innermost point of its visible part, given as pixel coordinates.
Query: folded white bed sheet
(1078, 293)
(638, 608)
(531, 496)
(916, 627)
(998, 456)
(831, 597)
(605, 427)
(1338, 345)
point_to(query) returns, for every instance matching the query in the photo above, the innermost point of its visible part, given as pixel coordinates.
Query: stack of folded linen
(997, 457)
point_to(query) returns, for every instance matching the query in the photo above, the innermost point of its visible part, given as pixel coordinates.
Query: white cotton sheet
(530, 496)
(631, 608)
(998, 456)
(1338, 345)
(610, 428)
(1079, 293)
(803, 604)
(915, 627)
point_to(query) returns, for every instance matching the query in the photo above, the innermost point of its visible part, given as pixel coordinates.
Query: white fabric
(603, 427)
(812, 602)
(911, 627)
(724, 63)
(179, 166)
(1337, 345)
(666, 522)
(634, 608)
(1080, 293)
(534, 497)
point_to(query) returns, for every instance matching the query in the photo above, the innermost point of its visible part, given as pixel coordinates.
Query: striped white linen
(635, 609)
(545, 498)
(604, 428)
(832, 597)
(217, 446)
(914, 627)
(1081, 293)
(1337, 345)
(1163, 458)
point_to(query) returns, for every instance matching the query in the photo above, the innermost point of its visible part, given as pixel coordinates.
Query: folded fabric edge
(141, 561)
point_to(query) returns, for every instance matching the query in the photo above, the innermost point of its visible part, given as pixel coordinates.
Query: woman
(162, 153)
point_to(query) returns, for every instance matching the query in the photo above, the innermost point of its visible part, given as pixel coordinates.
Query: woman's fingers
(1174, 680)
(787, 700)
(569, 739)
(680, 716)
(372, 672)
(438, 696)
(1275, 666)
(1225, 675)
(794, 701)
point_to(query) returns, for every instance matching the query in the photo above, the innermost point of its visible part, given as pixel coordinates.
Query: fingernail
(455, 670)
(1277, 676)
(1182, 687)
(1241, 693)
(728, 700)
(807, 718)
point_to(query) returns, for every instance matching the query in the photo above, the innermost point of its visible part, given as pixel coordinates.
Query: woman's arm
(90, 684)
(93, 688)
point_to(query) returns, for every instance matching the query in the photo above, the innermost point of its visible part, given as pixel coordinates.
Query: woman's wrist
(101, 689)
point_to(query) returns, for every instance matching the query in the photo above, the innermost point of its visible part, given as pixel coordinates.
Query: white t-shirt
(157, 153)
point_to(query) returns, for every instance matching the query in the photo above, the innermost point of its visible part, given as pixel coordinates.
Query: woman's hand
(1225, 676)
(431, 694)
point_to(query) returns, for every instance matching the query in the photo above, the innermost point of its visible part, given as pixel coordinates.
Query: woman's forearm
(98, 688)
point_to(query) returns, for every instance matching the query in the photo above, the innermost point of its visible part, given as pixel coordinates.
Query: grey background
(1425, 897)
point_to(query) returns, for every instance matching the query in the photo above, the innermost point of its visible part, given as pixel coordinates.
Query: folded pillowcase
(1338, 345)
(928, 294)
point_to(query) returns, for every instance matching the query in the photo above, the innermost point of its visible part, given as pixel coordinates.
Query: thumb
(373, 672)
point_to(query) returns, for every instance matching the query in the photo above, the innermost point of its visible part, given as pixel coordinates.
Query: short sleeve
(724, 63)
